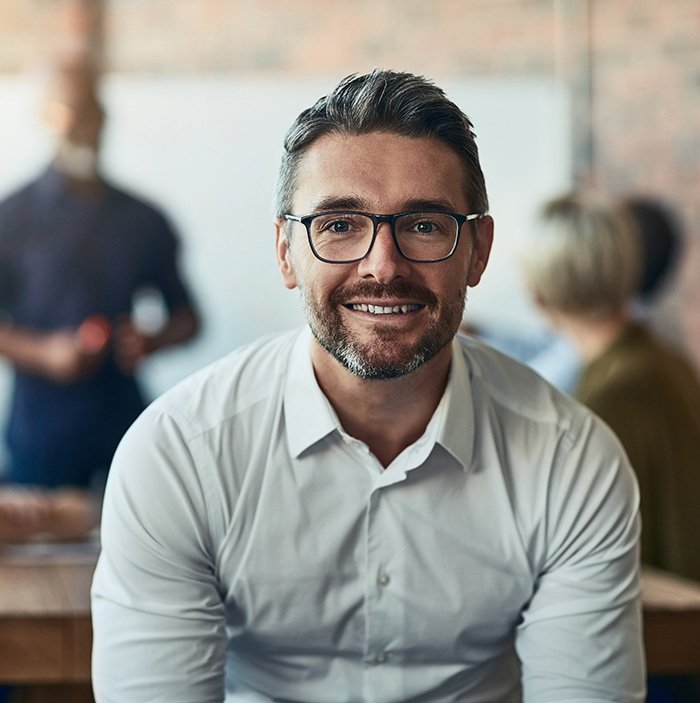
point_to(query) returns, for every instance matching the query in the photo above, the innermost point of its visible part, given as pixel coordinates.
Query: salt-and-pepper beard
(385, 356)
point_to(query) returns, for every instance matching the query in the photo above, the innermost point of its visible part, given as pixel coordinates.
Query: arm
(580, 639)
(58, 356)
(158, 616)
(132, 346)
(29, 513)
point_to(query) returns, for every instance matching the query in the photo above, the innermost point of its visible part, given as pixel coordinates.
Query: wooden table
(45, 628)
(46, 635)
(671, 623)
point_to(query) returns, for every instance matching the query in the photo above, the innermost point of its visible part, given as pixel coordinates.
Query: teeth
(384, 310)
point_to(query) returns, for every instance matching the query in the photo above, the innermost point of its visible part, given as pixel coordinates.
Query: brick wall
(633, 67)
(646, 119)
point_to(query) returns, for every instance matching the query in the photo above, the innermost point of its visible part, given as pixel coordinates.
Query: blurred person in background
(368, 508)
(584, 269)
(553, 355)
(661, 242)
(74, 251)
(591, 268)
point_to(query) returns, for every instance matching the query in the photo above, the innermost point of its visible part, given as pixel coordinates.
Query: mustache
(395, 289)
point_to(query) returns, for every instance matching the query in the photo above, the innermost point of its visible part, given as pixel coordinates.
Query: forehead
(381, 172)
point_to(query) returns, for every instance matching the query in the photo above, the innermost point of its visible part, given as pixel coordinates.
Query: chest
(427, 566)
(73, 262)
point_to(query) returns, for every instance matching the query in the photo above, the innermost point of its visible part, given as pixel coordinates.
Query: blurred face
(76, 119)
(384, 316)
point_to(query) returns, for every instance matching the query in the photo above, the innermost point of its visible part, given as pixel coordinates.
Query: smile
(384, 310)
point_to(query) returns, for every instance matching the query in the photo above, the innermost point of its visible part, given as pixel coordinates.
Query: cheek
(311, 278)
(452, 282)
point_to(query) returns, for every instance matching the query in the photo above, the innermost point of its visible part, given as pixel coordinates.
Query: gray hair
(583, 258)
(383, 101)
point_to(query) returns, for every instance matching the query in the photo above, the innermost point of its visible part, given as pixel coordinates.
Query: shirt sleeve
(158, 614)
(580, 638)
(164, 272)
(11, 212)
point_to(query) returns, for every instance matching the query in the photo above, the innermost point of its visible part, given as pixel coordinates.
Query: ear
(483, 240)
(284, 255)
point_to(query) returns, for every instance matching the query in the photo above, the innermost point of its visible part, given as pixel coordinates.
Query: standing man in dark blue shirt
(74, 250)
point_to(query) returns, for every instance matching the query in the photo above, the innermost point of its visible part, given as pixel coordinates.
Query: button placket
(381, 658)
(383, 579)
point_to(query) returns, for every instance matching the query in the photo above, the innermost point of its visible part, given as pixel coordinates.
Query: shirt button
(383, 579)
(381, 658)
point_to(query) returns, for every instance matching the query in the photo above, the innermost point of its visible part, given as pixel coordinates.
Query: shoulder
(514, 388)
(247, 377)
(201, 436)
(539, 430)
(642, 369)
(16, 202)
(141, 210)
(556, 458)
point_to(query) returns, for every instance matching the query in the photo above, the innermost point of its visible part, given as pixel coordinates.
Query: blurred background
(199, 94)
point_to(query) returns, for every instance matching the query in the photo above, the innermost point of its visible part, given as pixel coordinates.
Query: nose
(384, 263)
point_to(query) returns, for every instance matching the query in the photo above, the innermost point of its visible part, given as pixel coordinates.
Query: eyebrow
(429, 205)
(334, 203)
(331, 202)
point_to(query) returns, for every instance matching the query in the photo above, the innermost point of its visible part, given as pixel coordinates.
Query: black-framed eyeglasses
(345, 237)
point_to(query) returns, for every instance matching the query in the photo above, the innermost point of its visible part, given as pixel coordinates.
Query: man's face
(384, 316)
(76, 120)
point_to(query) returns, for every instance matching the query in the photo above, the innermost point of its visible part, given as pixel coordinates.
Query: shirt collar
(309, 416)
(456, 430)
(53, 186)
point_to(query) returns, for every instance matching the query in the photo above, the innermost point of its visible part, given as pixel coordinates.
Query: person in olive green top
(584, 271)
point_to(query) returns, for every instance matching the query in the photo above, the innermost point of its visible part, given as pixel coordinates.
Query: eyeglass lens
(347, 236)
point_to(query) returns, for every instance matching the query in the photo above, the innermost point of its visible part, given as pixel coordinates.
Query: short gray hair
(383, 101)
(583, 257)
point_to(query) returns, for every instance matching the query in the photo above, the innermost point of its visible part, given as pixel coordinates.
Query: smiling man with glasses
(371, 508)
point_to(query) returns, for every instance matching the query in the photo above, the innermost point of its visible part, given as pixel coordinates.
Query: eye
(429, 225)
(339, 223)
(424, 227)
(339, 226)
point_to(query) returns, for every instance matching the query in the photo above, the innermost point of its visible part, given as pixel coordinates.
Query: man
(74, 252)
(371, 510)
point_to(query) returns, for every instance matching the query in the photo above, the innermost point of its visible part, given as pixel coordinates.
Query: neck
(77, 162)
(387, 415)
(593, 337)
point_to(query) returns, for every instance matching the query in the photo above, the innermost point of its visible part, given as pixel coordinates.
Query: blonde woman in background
(583, 271)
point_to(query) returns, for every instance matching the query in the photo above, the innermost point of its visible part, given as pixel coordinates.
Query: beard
(76, 160)
(387, 355)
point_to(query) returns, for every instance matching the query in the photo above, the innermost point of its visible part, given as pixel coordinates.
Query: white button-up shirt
(248, 538)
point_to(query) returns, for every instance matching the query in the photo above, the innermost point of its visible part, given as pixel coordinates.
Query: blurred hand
(31, 513)
(131, 346)
(73, 513)
(66, 359)
(24, 512)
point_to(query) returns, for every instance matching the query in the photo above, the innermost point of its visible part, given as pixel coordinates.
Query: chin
(370, 363)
